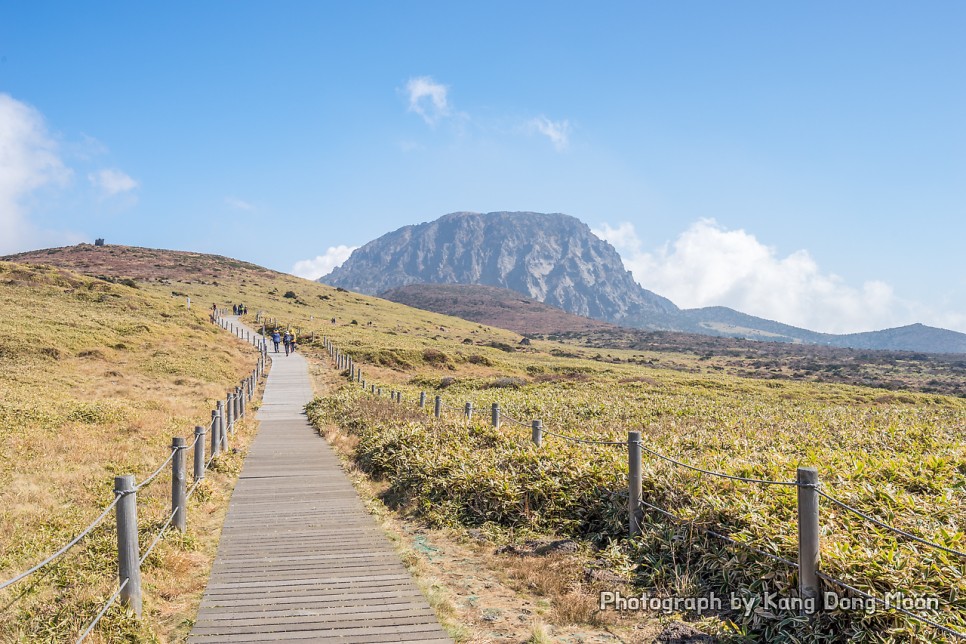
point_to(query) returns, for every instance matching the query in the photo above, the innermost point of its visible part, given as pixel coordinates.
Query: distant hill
(493, 306)
(555, 259)
(139, 263)
(913, 337)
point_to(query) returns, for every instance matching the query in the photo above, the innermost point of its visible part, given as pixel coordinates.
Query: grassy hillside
(95, 379)
(899, 456)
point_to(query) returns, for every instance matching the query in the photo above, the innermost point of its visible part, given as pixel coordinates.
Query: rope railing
(103, 611)
(723, 537)
(586, 441)
(157, 538)
(125, 491)
(807, 485)
(73, 542)
(146, 482)
(900, 609)
(719, 474)
(890, 528)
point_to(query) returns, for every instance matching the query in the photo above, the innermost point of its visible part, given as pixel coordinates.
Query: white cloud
(557, 131)
(313, 269)
(29, 161)
(708, 265)
(427, 98)
(239, 204)
(112, 181)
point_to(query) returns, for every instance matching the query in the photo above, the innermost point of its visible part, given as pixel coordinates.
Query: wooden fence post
(422, 400)
(222, 410)
(437, 406)
(128, 554)
(199, 464)
(215, 438)
(537, 433)
(808, 539)
(231, 408)
(468, 411)
(179, 499)
(634, 484)
(495, 415)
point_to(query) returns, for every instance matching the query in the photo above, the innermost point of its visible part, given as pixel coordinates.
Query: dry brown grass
(95, 379)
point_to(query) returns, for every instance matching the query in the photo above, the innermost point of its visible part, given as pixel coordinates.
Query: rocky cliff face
(552, 258)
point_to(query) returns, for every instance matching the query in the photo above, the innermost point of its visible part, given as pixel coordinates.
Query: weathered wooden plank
(404, 633)
(314, 620)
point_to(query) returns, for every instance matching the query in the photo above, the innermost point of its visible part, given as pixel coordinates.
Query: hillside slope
(493, 306)
(95, 379)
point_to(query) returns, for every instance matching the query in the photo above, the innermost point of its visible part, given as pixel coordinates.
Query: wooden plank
(299, 557)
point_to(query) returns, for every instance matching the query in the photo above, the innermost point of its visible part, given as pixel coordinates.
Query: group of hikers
(288, 339)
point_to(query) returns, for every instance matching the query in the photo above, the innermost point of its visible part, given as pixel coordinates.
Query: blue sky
(801, 161)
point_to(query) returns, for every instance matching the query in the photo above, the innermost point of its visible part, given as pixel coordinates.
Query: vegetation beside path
(95, 380)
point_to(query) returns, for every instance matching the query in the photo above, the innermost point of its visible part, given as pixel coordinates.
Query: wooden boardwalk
(299, 556)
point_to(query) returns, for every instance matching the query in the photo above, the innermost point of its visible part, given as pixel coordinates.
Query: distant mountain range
(555, 259)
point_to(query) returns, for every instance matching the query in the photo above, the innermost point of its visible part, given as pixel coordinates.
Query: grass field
(96, 379)
(898, 455)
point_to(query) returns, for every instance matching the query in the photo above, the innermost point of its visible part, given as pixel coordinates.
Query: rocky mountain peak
(553, 258)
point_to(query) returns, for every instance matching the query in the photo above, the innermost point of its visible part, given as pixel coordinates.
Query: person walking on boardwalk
(276, 338)
(288, 341)
(292, 342)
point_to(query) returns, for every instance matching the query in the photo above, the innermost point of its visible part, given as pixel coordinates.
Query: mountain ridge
(552, 258)
(556, 259)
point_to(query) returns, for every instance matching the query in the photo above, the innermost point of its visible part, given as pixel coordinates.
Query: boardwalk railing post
(808, 542)
(199, 465)
(495, 415)
(229, 412)
(179, 499)
(537, 433)
(220, 408)
(468, 411)
(128, 554)
(634, 484)
(223, 433)
(215, 438)
(422, 400)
